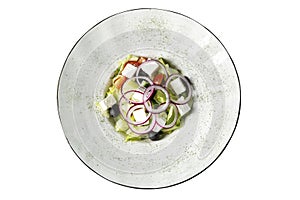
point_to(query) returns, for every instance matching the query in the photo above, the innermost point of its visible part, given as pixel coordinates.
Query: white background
(262, 159)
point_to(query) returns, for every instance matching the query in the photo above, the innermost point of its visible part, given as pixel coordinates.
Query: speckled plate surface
(153, 33)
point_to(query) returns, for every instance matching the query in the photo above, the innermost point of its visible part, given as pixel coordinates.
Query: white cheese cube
(107, 103)
(102, 106)
(183, 109)
(150, 68)
(110, 100)
(129, 70)
(140, 116)
(177, 86)
(157, 128)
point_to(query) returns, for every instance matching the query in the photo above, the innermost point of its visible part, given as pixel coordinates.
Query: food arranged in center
(146, 99)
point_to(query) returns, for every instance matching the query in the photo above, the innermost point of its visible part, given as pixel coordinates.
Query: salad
(146, 99)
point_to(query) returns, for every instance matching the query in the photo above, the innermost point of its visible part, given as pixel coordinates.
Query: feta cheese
(157, 128)
(107, 103)
(183, 109)
(129, 70)
(150, 68)
(178, 86)
(140, 116)
(102, 106)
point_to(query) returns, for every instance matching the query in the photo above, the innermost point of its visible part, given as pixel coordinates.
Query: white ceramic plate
(152, 33)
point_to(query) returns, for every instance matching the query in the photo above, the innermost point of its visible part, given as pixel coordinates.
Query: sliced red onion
(123, 92)
(148, 93)
(148, 104)
(189, 96)
(129, 113)
(173, 122)
(137, 73)
(127, 98)
(148, 129)
(122, 102)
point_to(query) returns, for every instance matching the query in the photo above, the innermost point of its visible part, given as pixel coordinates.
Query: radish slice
(187, 84)
(129, 113)
(147, 103)
(173, 122)
(131, 85)
(140, 130)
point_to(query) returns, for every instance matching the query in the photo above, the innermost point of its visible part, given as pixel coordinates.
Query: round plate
(152, 33)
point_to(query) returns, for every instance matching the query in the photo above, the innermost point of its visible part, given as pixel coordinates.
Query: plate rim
(164, 10)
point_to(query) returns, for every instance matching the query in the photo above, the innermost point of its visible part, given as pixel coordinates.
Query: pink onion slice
(136, 78)
(173, 122)
(148, 128)
(129, 113)
(189, 95)
(148, 104)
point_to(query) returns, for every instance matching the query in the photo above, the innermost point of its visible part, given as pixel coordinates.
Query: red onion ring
(124, 92)
(173, 122)
(120, 106)
(149, 129)
(188, 98)
(127, 101)
(148, 106)
(130, 101)
(131, 110)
